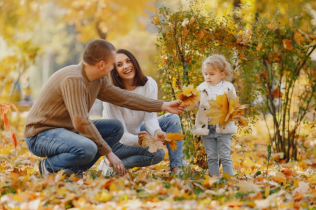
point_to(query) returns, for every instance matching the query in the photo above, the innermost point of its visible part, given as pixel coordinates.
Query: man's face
(108, 66)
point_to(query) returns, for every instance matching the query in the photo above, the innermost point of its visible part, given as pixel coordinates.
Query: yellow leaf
(259, 46)
(103, 196)
(298, 38)
(172, 137)
(226, 108)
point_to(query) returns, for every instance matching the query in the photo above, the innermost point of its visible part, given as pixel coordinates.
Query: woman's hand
(172, 107)
(161, 136)
(141, 135)
(116, 163)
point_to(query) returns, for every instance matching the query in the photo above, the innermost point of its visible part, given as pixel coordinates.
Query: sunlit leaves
(189, 96)
(226, 108)
(172, 138)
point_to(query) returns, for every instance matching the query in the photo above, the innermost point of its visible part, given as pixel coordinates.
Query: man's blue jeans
(140, 157)
(67, 150)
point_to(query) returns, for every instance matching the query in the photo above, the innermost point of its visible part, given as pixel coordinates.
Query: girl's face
(124, 67)
(212, 75)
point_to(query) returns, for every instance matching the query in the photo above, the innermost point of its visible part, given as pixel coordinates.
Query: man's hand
(161, 136)
(141, 135)
(116, 163)
(172, 107)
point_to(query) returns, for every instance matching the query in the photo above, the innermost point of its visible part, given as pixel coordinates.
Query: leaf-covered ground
(285, 186)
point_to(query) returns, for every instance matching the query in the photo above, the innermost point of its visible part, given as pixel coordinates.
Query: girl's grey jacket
(201, 121)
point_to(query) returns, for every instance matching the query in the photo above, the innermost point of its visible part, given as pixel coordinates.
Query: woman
(128, 75)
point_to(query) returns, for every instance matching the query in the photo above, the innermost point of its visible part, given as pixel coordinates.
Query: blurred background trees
(38, 37)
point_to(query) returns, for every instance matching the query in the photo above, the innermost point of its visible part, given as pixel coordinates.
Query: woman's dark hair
(139, 79)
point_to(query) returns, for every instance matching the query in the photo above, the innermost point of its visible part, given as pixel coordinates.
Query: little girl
(217, 73)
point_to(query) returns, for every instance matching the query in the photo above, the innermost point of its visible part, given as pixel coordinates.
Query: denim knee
(119, 129)
(174, 118)
(158, 156)
(88, 152)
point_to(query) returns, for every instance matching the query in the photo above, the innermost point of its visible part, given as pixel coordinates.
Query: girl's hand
(116, 163)
(161, 136)
(141, 136)
(172, 107)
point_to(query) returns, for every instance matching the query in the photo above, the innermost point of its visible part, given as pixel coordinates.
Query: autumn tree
(264, 57)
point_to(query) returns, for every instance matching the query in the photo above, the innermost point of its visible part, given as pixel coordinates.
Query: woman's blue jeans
(67, 150)
(140, 157)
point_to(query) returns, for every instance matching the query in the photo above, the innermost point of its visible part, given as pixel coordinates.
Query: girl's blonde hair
(219, 62)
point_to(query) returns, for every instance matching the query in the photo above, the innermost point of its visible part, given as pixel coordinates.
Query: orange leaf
(277, 93)
(172, 138)
(270, 26)
(190, 97)
(5, 108)
(287, 44)
(6, 121)
(15, 142)
(311, 36)
(14, 107)
(286, 171)
(201, 35)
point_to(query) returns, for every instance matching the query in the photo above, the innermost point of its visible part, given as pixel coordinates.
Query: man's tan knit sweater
(67, 97)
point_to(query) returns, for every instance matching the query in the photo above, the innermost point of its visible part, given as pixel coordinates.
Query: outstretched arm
(114, 95)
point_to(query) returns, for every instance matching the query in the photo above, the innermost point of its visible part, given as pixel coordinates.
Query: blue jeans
(140, 157)
(67, 150)
(217, 144)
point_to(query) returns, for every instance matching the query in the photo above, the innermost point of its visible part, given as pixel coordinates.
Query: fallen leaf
(279, 177)
(246, 186)
(286, 171)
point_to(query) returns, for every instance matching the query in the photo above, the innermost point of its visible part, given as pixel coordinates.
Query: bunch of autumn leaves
(223, 109)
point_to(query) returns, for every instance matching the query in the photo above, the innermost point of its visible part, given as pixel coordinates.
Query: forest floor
(290, 185)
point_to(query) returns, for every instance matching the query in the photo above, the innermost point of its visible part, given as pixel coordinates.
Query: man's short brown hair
(97, 50)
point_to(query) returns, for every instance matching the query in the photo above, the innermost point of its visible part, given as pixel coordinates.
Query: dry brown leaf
(246, 186)
(152, 143)
(190, 97)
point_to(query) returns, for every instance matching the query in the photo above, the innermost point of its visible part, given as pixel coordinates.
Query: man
(58, 126)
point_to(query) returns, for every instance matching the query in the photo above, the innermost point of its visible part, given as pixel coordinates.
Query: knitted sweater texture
(67, 97)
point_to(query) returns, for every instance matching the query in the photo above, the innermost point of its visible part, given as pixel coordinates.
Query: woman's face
(124, 67)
